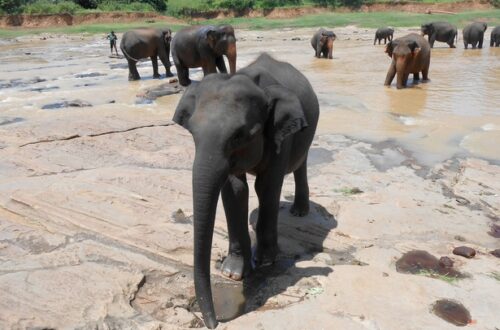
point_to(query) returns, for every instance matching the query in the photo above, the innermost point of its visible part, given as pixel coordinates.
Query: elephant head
(485, 26)
(222, 41)
(167, 36)
(233, 121)
(427, 29)
(326, 39)
(402, 53)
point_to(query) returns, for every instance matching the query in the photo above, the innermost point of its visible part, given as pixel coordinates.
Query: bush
(269, 4)
(234, 4)
(50, 7)
(10, 6)
(121, 6)
(87, 4)
(326, 3)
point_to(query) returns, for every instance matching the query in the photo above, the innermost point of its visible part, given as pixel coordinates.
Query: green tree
(11, 6)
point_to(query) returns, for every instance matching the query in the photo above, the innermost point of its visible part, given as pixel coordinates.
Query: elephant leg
(375, 41)
(466, 45)
(166, 63)
(390, 74)
(425, 72)
(154, 61)
(209, 67)
(133, 74)
(385, 41)
(300, 205)
(432, 39)
(451, 42)
(480, 42)
(235, 199)
(268, 187)
(405, 79)
(220, 64)
(416, 76)
(183, 74)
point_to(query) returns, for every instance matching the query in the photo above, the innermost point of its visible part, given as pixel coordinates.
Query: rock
(153, 93)
(445, 262)
(65, 104)
(494, 230)
(496, 253)
(88, 75)
(459, 238)
(324, 258)
(464, 251)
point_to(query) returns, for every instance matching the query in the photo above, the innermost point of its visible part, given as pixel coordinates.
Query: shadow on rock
(283, 283)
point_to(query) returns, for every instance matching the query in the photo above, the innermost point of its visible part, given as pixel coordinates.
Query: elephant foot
(169, 74)
(453, 46)
(234, 267)
(299, 209)
(133, 78)
(265, 256)
(156, 76)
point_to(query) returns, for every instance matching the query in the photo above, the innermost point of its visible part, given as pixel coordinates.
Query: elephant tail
(128, 55)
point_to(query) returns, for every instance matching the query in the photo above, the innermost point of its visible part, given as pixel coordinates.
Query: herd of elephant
(259, 120)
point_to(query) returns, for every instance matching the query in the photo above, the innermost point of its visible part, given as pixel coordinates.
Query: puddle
(318, 156)
(8, 121)
(452, 311)
(423, 263)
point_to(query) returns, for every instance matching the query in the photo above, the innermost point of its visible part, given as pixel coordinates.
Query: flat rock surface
(96, 202)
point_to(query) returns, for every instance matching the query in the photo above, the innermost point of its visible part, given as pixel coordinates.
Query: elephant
(322, 42)
(474, 34)
(440, 31)
(495, 37)
(147, 42)
(410, 54)
(260, 121)
(203, 46)
(383, 33)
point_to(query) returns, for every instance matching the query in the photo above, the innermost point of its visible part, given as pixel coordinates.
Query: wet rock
(153, 93)
(460, 238)
(445, 262)
(452, 311)
(296, 39)
(180, 217)
(494, 230)
(10, 120)
(464, 251)
(65, 104)
(422, 262)
(90, 74)
(43, 89)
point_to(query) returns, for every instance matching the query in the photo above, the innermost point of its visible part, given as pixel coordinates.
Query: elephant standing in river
(203, 46)
(261, 121)
(440, 31)
(495, 37)
(410, 54)
(386, 33)
(474, 34)
(145, 42)
(322, 42)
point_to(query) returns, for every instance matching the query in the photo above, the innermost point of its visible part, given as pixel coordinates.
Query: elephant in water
(474, 34)
(145, 42)
(203, 46)
(440, 31)
(495, 37)
(322, 42)
(410, 54)
(261, 121)
(386, 33)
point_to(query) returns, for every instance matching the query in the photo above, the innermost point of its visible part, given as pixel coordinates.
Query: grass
(349, 191)
(330, 19)
(495, 275)
(431, 274)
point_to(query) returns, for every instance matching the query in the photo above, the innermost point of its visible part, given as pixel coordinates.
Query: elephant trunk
(209, 174)
(330, 48)
(231, 56)
(400, 70)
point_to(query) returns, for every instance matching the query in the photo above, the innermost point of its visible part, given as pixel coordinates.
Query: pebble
(464, 251)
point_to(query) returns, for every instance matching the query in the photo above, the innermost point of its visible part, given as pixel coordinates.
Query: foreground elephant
(142, 43)
(495, 37)
(261, 121)
(440, 31)
(410, 54)
(383, 33)
(322, 42)
(203, 46)
(474, 34)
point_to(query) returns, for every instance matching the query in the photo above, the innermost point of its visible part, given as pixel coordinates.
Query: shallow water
(456, 113)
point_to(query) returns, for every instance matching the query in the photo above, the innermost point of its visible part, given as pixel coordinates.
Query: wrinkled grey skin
(261, 121)
(203, 46)
(495, 37)
(440, 31)
(322, 42)
(385, 33)
(474, 34)
(410, 54)
(145, 42)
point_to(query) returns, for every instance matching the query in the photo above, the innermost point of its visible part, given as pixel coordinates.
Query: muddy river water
(457, 113)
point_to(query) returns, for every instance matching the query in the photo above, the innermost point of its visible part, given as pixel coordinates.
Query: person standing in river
(112, 41)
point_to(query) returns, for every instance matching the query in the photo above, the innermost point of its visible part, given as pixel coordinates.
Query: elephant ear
(286, 115)
(167, 35)
(389, 48)
(186, 106)
(211, 37)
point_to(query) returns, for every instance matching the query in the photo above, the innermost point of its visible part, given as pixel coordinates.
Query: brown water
(452, 312)
(457, 113)
(422, 262)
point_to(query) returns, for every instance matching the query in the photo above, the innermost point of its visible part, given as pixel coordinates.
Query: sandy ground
(96, 227)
